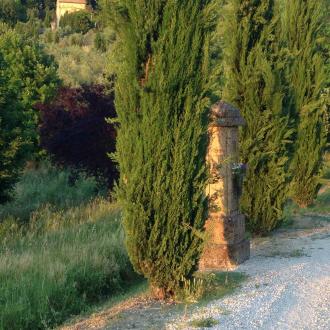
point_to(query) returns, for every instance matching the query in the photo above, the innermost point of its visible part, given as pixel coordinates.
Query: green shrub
(77, 40)
(56, 37)
(50, 16)
(31, 29)
(80, 61)
(12, 11)
(64, 31)
(162, 104)
(79, 65)
(79, 21)
(49, 36)
(100, 42)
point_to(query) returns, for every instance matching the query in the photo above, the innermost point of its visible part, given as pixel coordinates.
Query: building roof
(83, 2)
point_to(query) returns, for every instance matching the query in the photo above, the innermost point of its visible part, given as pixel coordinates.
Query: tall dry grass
(65, 258)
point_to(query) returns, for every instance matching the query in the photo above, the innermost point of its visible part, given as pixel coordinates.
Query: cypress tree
(302, 31)
(254, 83)
(162, 103)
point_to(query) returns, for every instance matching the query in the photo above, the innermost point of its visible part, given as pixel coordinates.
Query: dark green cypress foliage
(162, 104)
(302, 31)
(254, 72)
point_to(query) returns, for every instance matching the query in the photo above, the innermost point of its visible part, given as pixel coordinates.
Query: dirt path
(288, 288)
(289, 285)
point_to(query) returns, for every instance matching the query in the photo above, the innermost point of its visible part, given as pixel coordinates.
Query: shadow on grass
(111, 309)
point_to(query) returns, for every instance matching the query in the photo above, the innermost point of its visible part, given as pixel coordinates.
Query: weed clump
(208, 322)
(204, 287)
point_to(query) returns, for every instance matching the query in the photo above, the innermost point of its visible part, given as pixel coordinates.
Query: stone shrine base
(227, 245)
(220, 257)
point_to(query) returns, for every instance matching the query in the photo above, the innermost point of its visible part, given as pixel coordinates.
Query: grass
(326, 172)
(67, 256)
(44, 279)
(207, 322)
(223, 284)
(318, 213)
(320, 210)
(206, 287)
(47, 185)
(154, 314)
(297, 253)
(114, 304)
(322, 203)
(321, 206)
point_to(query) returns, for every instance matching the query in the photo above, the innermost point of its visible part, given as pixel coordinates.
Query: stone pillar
(226, 245)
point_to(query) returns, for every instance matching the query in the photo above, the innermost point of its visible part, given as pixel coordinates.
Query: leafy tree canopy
(27, 76)
(12, 11)
(79, 22)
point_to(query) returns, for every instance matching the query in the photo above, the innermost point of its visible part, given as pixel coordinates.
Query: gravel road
(288, 287)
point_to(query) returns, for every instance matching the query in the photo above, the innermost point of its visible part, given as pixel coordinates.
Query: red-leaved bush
(74, 132)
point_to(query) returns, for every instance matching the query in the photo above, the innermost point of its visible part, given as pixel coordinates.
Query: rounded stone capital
(226, 115)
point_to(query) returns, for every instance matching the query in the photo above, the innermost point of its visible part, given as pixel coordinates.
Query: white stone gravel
(288, 287)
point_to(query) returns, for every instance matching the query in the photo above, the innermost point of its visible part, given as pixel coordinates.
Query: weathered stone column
(226, 245)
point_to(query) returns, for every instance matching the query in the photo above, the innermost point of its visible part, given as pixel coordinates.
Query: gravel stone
(288, 287)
